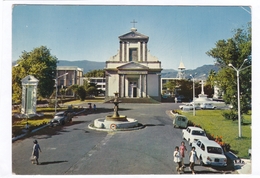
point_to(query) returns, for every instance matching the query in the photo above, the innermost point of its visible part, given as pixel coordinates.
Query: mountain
(200, 71)
(166, 73)
(86, 65)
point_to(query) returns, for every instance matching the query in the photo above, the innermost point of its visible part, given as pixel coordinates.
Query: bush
(230, 115)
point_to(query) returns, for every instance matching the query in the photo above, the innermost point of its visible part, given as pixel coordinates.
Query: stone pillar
(145, 86)
(120, 50)
(139, 51)
(143, 49)
(127, 52)
(140, 86)
(145, 53)
(29, 95)
(124, 58)
(120, 85)
(126, 87)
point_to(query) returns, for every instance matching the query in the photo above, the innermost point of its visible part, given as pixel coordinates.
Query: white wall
(113, 81)
(152, 85)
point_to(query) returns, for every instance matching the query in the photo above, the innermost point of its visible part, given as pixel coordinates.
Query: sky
(90, 32)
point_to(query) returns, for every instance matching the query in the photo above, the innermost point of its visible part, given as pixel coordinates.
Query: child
(177, 159)
(193, 156)
(182, 152)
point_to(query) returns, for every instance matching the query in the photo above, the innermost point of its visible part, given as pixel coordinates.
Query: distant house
(73, 77)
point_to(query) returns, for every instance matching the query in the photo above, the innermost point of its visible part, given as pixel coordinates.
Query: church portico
(133, 72)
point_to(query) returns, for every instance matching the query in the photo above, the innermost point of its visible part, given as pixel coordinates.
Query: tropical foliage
(235, 51)
(42, 65)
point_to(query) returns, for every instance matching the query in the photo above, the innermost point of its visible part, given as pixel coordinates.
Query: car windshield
(198, 132)
(215, 150)
(59, 114)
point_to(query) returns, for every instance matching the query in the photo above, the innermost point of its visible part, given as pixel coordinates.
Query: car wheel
(190, 143)
(201, 162)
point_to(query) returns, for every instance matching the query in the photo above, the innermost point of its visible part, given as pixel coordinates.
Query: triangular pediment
(29, 79)
(133, 35)
(132, 66)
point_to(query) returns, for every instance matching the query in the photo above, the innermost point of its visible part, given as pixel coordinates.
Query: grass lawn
(215, 124)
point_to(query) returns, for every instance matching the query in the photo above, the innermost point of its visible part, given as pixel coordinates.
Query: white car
(192, 134)
(188, 106)
(207, 106)
(210, 153)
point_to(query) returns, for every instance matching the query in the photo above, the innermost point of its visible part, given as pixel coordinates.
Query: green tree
(74, 88)
(39, 63)
(95, 73)
(170, 86)
(234, 51)
(82, 93)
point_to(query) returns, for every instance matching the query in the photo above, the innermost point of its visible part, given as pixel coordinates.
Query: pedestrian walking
(182, 149)
(193, 156)
(95, 107)
(35, 152)
(177, 159)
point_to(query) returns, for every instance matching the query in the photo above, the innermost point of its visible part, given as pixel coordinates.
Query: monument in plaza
(115, 121)
(202, 96)
(29, 96)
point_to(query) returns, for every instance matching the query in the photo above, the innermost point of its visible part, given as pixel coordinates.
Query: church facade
(133, 72)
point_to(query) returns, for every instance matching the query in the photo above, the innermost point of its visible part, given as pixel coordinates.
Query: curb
(115, 130)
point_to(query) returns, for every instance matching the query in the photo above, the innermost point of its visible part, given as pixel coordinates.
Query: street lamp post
(194, 112)
(238, 95)
(56, 84)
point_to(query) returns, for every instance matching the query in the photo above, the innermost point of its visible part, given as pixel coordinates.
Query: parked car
(207, 106)
(60, 118)
(189, 106)
(192, 134)
(233, 161)
(210, 153)
(180, 121)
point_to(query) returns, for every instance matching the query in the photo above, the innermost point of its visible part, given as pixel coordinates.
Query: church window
(133, 55)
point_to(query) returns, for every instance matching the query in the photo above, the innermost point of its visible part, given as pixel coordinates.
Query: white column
(123, 51)
(145, 86)
(127, 52)
(139, 51)
(140, 85)
(144, 51)
(126, 86)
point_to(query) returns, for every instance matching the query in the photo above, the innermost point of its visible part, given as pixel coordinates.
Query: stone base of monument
(112, 125)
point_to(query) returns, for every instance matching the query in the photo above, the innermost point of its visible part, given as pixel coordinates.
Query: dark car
(233, 161)
(61, 118)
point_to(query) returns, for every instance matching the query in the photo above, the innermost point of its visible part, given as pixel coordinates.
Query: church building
(133, 72)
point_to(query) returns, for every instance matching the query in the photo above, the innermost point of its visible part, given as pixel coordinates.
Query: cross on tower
(134, 22)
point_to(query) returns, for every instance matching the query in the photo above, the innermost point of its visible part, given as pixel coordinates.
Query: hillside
(166, 73)
(86, 65)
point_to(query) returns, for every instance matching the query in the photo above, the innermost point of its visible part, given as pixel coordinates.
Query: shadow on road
(52, 162)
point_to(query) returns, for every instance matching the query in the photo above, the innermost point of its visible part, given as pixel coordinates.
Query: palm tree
(74, 89)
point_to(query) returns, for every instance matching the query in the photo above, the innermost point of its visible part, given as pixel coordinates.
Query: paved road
(76, 150)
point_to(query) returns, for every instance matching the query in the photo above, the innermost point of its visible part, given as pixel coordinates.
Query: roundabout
(115, 122)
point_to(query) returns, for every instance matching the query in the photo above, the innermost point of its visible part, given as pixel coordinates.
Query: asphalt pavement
(74, 149)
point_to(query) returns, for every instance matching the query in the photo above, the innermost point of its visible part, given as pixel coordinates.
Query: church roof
(132, 65)
(133, 35)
